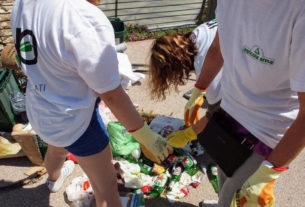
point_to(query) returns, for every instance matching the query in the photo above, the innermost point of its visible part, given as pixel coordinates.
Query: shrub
(135, 32)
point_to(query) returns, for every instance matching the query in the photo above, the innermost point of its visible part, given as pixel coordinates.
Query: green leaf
(26, 47)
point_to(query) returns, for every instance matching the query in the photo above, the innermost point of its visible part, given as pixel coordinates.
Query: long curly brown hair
(171, 61)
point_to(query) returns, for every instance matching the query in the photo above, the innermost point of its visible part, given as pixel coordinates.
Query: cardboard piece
(28, 141)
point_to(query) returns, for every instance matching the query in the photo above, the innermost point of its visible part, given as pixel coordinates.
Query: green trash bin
(8, 85)
(119, 29)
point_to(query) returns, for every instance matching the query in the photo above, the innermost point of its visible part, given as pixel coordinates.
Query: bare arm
(211, 65)
(121, 106)
(200, 125)
(293, 141)
(210, 68)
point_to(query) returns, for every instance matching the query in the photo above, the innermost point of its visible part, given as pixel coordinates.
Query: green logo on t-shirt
(26, 47)
(258, 54)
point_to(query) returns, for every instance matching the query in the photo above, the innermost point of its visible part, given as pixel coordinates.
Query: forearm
(291, 144)
(200, 125)
(121, 106)
(212, 64)
(293, 141)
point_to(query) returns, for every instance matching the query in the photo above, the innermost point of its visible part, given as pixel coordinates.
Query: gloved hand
(191, 114)
(181, 137)
(153, 145)
(258, 189)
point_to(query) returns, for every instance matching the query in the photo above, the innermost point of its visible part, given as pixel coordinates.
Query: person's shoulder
(86, 13)
(206, 28)
(211, 24)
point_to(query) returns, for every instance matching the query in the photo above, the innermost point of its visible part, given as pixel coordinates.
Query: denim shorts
(94, 140)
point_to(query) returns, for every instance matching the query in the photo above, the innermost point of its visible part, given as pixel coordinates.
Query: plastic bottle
(213, 176)
(172, 159)
(187, 162)
(176, 171)
(159, 186)
(146, 165)
(146, 169)
(139, 200)
(192, 170)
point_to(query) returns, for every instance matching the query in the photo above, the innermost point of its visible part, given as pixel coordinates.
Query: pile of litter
(141, 179)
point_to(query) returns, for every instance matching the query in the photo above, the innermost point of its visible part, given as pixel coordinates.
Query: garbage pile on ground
(142, 179)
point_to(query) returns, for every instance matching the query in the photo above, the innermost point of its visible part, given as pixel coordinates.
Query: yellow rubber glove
(191, 114)
(181, 137)
(258, 189)
(153, 145)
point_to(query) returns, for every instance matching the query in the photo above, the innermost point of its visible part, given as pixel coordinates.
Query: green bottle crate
(8, 85)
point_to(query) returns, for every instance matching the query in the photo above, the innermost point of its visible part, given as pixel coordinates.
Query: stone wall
(5, 28)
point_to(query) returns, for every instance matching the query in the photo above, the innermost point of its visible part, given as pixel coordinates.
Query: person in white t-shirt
(67, 50)
(263, 90)
(174, 57)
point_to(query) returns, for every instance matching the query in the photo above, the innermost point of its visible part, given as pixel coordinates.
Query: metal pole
(116, 8)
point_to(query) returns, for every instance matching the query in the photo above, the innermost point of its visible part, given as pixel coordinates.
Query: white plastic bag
(165, 125)
(80, 192)
(128, 77)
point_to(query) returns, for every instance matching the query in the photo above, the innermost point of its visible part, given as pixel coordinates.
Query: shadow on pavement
(163, 202)
(25, 197)
(18, 161)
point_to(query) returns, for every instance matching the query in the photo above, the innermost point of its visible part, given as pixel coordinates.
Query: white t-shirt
(68, 52)
(203, 36)
(262, 43)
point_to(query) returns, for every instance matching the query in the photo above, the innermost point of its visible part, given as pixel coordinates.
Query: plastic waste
(139, 198)
(122, 143)
(121, 47)
(127, 76)
(106, 114)
(158, 169)
(17, 100)
(159, 185)
(165, 125)
(70, 156)
(213, 176)
(80, 192)
(130, 173)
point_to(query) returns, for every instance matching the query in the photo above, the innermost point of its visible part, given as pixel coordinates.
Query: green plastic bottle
(139, 198)
(156, 191)
(159, 186)
(146, 169)
(213, 176)
(192, 170)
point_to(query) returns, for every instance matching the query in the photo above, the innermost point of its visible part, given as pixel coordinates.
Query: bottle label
(161, 180)
(187, 162)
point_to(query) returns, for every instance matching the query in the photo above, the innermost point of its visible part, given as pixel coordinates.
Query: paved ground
(289, 189)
